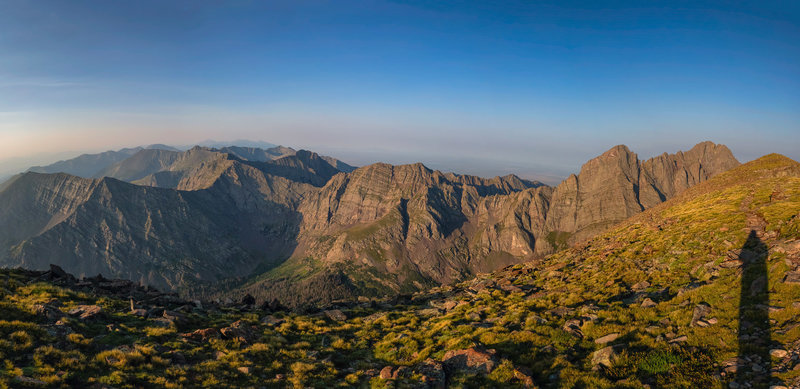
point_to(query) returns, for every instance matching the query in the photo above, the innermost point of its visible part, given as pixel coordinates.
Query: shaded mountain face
(198, 167)
(305, 232)
(166, 169)
(231, 218)
(88, 165)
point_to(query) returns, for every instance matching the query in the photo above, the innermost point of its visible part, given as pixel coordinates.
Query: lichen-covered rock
(202, 335)
(86, 312)
(241, 331)
(335, 315)
(432, 372)
(472, 360)
(604, 357)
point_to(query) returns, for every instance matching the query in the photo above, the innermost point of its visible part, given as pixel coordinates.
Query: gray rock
(432, 372)
(700, 312)
(679, 339)
(607, 338)
(472, 360)
(86, 312)
(175, 317)
(335, 315)
(271, 320)
(604, 357)
(640, 286)
(792, 277)
(648, 303)
(386, 373)
(778, 353)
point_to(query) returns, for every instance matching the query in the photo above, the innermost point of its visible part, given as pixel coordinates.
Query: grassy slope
(676, 247)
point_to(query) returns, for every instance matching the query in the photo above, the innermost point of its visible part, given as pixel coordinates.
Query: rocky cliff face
(616, 185)
(228, 218)
(424, 227)
(308, 231)
(193, 169)
(198, 167)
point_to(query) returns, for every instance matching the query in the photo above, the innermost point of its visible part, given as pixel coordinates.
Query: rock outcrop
(425, 227)
(617, 185)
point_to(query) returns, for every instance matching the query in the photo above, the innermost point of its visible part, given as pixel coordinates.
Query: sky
(488, 88)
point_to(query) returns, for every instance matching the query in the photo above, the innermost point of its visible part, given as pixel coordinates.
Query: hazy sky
(477, 87)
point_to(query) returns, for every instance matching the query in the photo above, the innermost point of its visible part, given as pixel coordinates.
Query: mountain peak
(616, 151)
(307, 155)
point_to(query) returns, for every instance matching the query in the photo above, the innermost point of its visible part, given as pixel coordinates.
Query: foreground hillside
(700, 291)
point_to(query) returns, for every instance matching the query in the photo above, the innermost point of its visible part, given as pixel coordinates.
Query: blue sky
(489, 88)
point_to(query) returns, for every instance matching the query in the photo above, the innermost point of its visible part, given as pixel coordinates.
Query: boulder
(573, 326)
(429, 312)
(640, 286)
(248, 300)
(792, 277)
(273, 305)
(449, 304)
(525, 377)
(607, 338)
(399, 373)
(560, 311)
(28, 381)
(472, 360)
(335, 315)
(778, 353)
(175, 317)
(177, 358)
(386, 373)
(648, 303)
(57, 272)
(510, 288)
(679, 339)
(699, 313)
(730, 264)
(604, 357)
(271, 320)
(202, 335)
(240, 331)
(47, 312)
(86, 312)
(432, 372)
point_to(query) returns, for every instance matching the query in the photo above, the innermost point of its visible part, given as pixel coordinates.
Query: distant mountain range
(307, 229)
(245, 143)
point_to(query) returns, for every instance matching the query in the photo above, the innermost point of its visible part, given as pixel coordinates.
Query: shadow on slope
(754, 327)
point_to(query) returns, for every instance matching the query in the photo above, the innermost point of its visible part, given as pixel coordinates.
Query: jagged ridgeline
(700, 291)
(307, 229)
